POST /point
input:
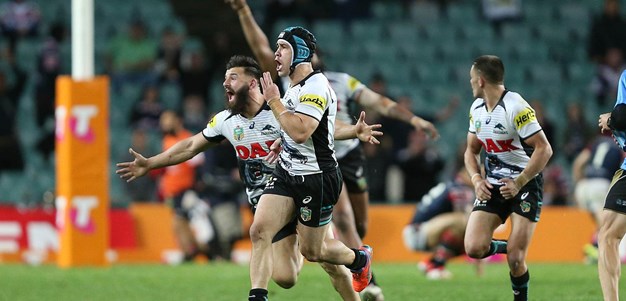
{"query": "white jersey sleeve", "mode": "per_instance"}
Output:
(311, 101)
(214, 131)
(472, 124)
(524, 119)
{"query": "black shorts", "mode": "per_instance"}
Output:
(352, 167)
(616, 198)
(314, 195)
(176, 203)
(526, 203)
(288, 229)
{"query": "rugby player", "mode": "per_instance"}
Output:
(350, 215)
(249, 125)
(516, 151)
(613, 217)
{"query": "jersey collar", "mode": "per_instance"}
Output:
(301, 83)
(500, 101)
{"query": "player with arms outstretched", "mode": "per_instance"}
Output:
(249, 125)
(350, 213)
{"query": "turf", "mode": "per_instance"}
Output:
(225, 282)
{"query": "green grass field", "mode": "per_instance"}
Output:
(225, 282)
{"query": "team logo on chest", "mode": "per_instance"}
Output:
(500, 129)
(238, 133)
(269, 129)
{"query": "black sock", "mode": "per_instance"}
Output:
(520, 286)
(442, 253)
(257, 294)
(360, 260)
(497, 247)
(373, 281)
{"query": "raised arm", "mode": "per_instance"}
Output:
(179, 152)
(298, 126)
(361, 130)
(389, 108)
(256, 38)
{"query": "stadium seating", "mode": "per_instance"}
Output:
(423, 51)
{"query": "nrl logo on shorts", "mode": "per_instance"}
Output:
(525, 206)
(305, 214)
(238, 133)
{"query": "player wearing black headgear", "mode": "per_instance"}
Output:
(303, 44)
(350, 215)
(306, 181)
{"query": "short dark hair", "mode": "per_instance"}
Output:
(490, 67)
(249, 65)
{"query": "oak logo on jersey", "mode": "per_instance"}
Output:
(498, 146)
(313, 100)
(238, 133)
(524, 117)
(255, 150)
(500, 129)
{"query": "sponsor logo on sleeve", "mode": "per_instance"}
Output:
(314, 100)
(526, 116)
(353, 83)
(212, 122)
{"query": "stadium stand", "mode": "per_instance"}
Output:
(423, 52)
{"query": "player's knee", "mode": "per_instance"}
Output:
(258, 233)
(285, 280)
(608, 237)
(515, 259)
(311, 254)
(476, 250)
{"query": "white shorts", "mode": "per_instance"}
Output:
(590, 193)
(416, 236)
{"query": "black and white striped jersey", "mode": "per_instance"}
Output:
(313, 97)
(251, 139)
(346, 88)
(502, 133)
